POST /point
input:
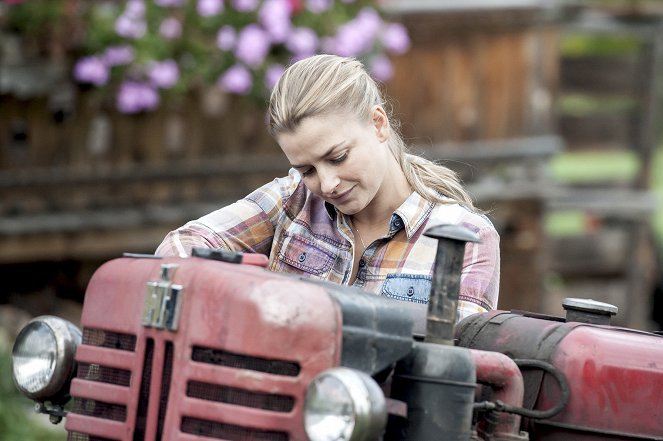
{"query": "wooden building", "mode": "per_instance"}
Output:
(81, 183)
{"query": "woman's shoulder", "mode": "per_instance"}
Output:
(459, 214)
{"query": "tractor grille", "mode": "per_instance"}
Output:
(100, 373)
(239, 397)
(108, 339)
(97, 372)
(238, 361)
(214, 429)
(104, 374)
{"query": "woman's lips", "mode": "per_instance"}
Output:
(341, 197)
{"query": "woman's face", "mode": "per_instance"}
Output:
(341, 158)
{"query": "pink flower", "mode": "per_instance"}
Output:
(237, 80)
(302, 41)
(91, 70)
(209, 8)
(396, 39)
(128, 27)
(245, 5)
(381, 68)
(134, 97)
(318, 6)
(163, 74)
(253, 44)
(118, 55)
(272, 75)
(274, 16)
(169, 3)
(170, 28)
(226, 38)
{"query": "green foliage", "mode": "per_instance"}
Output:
(18, 422)
(579, 45)
(595, 167)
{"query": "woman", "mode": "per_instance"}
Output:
(355, 204)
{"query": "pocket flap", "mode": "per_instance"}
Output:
(305, 256)
(407, 287)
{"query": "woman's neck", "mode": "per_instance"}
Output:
(389, 197)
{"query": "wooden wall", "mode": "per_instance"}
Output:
(80, 181)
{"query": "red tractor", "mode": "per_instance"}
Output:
(214, 346)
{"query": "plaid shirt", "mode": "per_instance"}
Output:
(303, 235)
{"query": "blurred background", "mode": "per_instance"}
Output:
(121, 120)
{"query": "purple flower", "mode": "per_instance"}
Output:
(209, 8)
(274, 16)
(133, 97)
(91, 69)
(381, 68)
(135, 9)
(369, 21)
(302, 41)
(226, 38)
(170, 28)
(128, 27)
(237, 80)
(245, 5)
(350, 40)
(118, 55)
(163, 74)
(272, 75)
(169, 3)
(396, 39)
(253, 44)
(317, 6)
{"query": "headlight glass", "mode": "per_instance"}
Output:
(34, 357)
(43, 357)
(329, 410)
(344, 404)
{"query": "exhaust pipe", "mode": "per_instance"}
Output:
(443, 301)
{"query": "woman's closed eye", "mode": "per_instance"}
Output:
(339, 159)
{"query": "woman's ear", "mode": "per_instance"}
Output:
(381, 123)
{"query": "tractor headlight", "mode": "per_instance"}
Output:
(43, 357)
(344, 404)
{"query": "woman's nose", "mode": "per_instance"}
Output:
(328, 181)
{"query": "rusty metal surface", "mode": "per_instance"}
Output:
(615, 374)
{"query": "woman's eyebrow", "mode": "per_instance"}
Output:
(326, 154)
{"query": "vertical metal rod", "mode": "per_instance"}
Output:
(443, 300)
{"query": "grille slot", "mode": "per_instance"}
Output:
(104, 374)
(77, 436)
(230, 432)
(240, 397)
(239, 361)
(165, 386)
(143, 399)
(99, 409)
(109, 339)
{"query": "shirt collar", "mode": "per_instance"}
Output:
(411, 214)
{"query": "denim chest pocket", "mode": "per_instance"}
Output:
(407, 287)
(300, 255)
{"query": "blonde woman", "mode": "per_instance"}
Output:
(354, 206)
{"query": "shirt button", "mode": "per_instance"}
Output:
(302, 257)
(398, 223)
(410, 291)
(362, 263)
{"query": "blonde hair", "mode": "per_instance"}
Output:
(329, 84)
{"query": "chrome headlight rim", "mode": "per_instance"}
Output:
(67, 338)
(368, 403)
